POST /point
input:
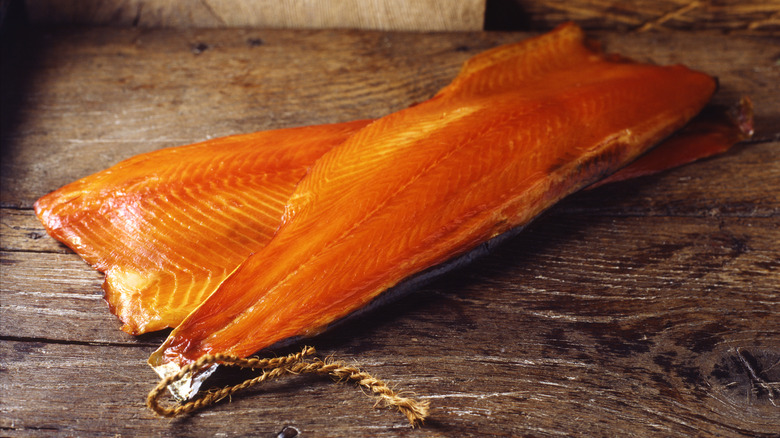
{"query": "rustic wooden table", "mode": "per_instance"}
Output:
(646, 308)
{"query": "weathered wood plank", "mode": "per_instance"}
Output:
(742, 183)
(646, 308)
(646, 332)
(108, 385)
(717, 252)
(658, 391)
(55, 297)
(20, 230)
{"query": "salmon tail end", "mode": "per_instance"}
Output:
(713, 131)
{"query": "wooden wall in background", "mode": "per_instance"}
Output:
(755, 16)
(399, 15)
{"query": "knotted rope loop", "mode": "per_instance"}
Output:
(276, 367)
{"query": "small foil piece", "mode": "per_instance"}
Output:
(186, 387)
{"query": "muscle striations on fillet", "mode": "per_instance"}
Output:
(168, 226)
(128, 283)
(521, 127)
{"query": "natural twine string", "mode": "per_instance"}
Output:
(277, 367)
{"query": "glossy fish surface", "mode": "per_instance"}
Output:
(168, 226)
(521, 127)
(150, 305)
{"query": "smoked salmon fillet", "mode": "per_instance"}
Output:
(168, 226)
(521, 127)
(150, 280)
(161, 261)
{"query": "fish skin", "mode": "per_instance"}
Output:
(425, 184)
(168, 226)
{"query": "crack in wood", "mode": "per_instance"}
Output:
(759, 384)
(773, 20)
(38, 340)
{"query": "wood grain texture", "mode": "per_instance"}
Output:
(640, 309)
(148, 89)
(418, 15)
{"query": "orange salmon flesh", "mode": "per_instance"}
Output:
(521, 127)
(246, 241)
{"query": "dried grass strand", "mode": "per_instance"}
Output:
(679, 12)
